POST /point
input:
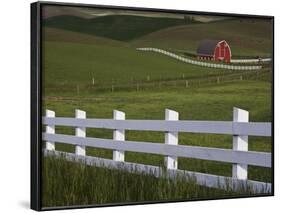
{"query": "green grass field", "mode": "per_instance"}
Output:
(71, 59)
(109, 64)
(190, 103)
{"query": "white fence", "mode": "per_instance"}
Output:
(200, 63)
(254, 60)
(240, 128)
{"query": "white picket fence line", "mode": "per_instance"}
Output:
(253, 60)
(201, 63)
(239, 156)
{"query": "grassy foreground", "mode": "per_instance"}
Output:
(212, 102)
(66, 183)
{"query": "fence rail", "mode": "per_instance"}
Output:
(253, 60)
(214, 127)
(200, 63)
(204, 153)
(239, 156)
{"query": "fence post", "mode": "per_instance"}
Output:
(80, 132)
(50, 129)
(77, 89)
(171, 138)
(186, 83)
(119, 135)
(240, 143)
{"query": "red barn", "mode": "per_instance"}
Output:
(217, 50)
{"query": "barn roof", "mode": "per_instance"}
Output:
(207, 47)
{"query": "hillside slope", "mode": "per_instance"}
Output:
(246, 37)
(58, 35)
(117, 27)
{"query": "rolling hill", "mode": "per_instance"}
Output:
(58, 35)
(71, 58)
(245, 36)
(117, 27)
(51, 11)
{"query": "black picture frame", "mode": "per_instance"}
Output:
(36, 95)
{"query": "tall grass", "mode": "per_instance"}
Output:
(67, 183)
